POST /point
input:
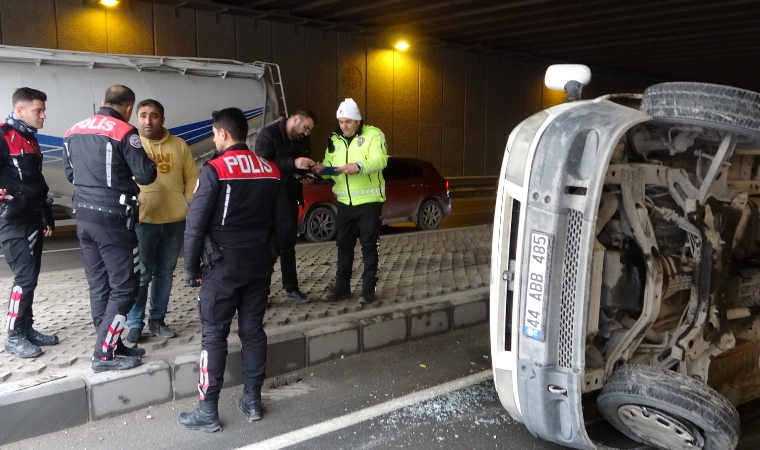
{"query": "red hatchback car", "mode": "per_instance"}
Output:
(415, 192)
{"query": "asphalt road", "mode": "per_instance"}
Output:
(352, 403)
(435, 393)
(61, 251)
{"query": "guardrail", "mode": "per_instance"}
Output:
(477, 186)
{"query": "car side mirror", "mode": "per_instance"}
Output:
(569, 78)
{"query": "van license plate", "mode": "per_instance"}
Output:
(537, 284)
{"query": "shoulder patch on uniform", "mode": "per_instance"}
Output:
(135, 141)
(360, 141)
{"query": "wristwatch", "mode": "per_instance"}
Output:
(360, 166)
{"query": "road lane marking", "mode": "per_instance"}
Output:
(352, 418)
(54, 251)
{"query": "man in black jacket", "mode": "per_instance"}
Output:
(239, 205)
(104, 158)
(287, 144)
(26, 216)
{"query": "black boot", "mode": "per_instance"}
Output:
(337, 293)
(123, 350)
(37, 338)
(19, 345)
(198, 420)
(367, 297)
(368, 290)
(117, 363)
(251, 408)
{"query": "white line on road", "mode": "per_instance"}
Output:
(328, 426)
(54, 251)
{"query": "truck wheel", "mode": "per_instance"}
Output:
(667, 410)
(320, 224)
(712, 105)
(430, 215)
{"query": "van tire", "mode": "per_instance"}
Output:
(670, 401)
(715, 106)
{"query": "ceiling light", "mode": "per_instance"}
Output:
(402, 45)
(109, 3)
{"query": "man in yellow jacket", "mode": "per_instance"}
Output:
(163, 208)
(357, 154)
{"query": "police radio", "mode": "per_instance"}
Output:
(130, 211)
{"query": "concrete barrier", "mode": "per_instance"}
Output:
(42, 409)
(114, 393)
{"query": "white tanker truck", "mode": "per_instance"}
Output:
(189, 88)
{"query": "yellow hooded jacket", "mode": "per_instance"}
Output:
(167, 199)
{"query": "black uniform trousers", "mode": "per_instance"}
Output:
(22, 246)
(364, 222)
(239, 282)
(288, 253)
(112, 266)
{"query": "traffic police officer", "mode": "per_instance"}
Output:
(104, 158)
(237, 223)
(359, 154)
(26, 216)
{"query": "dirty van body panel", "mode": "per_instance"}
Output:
(565, 185)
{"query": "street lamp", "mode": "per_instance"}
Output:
(402, 46)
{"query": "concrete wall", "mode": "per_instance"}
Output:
(452, 107)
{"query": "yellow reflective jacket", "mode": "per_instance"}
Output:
(369, 148)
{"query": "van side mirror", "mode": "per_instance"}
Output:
(569, 78)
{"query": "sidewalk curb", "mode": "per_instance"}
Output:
(76, 400)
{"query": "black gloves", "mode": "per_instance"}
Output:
(192, 280)
(47, 214)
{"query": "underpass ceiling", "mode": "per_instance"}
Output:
(687, 40)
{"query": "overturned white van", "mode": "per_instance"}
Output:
(625, 273)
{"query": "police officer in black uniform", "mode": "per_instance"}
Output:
(26, 216)
(101, 156)
(237, 223)
(287, 144)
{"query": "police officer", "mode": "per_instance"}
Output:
(287, 144)
(358, 153)
(26, 216)
(104, 157)
(238, 208)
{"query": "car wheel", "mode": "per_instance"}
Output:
(320, 224)
(716, 106)
(430, 216)
(668, 410)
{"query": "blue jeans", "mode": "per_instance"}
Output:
(159, 248)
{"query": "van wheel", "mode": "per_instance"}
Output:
(712, 105)
(320, 225)
(430, 215)
(667, 410)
